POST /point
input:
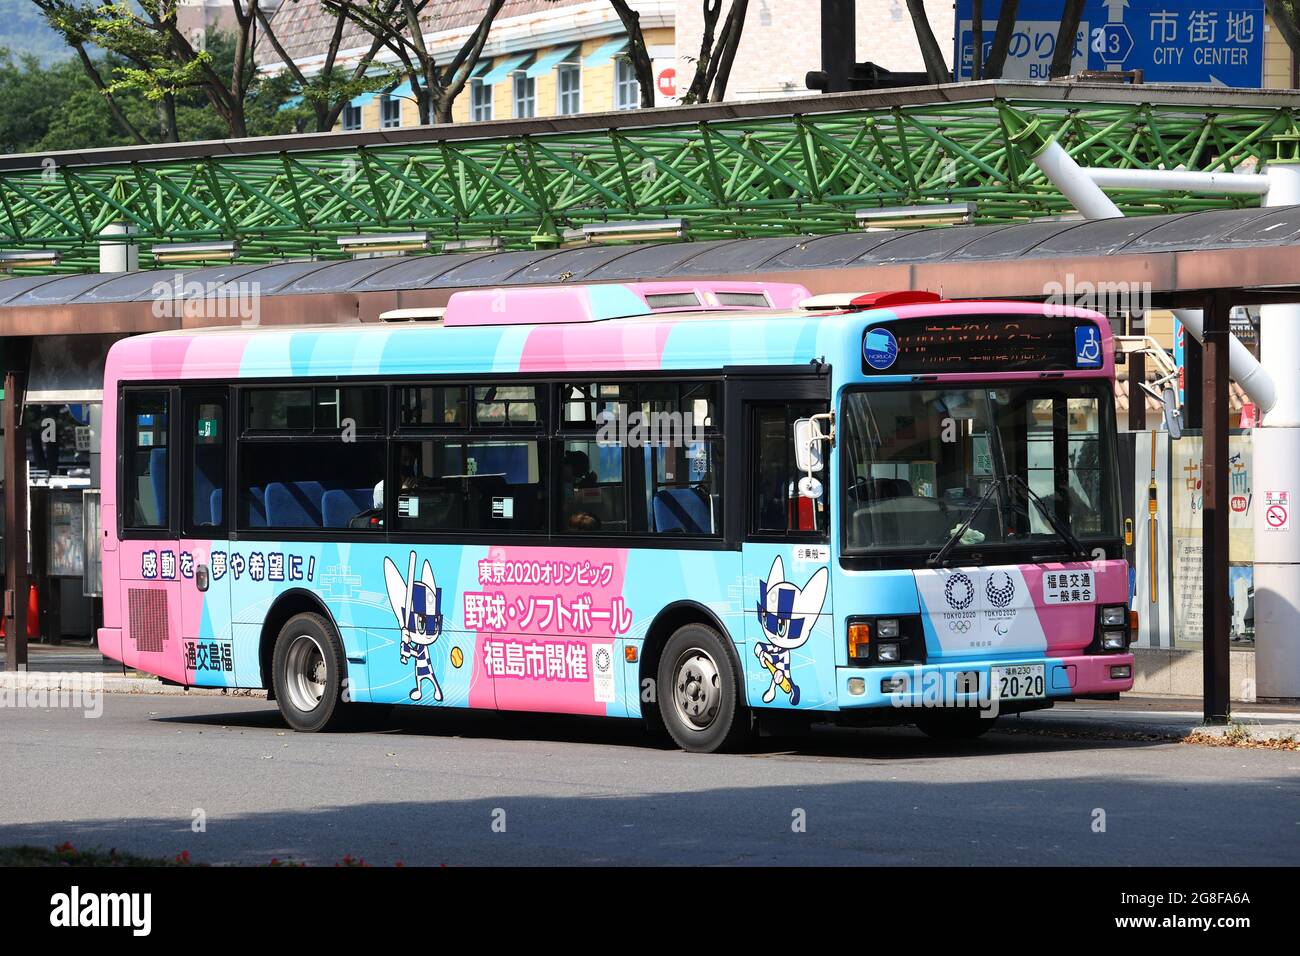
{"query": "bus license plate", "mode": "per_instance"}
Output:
(1020, 682)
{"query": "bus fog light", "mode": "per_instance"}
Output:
(1114, 616)
(893, 685)
(887, 653)
(1121, 671)
(857, 686)
(887, 627)
(1114, 640)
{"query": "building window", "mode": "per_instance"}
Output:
(390, 111)
(525, 96)
(569, 85)
(351, 117)
(627, 91)
(480, 100)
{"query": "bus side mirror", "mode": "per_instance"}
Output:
(807, 446)
(1173, 415)
(808, 440)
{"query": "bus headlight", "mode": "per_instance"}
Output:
(1115, 615)
(887, 653)
(887, 629)
(1114, 640)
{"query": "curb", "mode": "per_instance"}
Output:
(92, 681)
(1236, 734)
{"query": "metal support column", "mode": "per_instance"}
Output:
(15, 478)
(1214, 531)
(839, 43)
(1137, 374)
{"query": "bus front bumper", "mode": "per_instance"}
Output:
(969, 683)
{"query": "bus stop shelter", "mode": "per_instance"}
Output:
(1212, 260)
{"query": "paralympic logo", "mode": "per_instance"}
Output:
(1000, 591)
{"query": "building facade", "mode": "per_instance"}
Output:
(570, 56)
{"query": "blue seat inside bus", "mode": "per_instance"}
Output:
(158, 479)
(682, 509)
(294, 504)
(209, 463)
(340, 505)
(310, 504)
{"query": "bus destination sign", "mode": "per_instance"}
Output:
(938, 345)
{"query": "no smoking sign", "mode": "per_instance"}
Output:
(1277, 510)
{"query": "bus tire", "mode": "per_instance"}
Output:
(966, 725)
(699, 693)
(308, 670)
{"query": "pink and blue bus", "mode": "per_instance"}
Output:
(705, 505)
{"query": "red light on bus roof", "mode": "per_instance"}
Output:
(883, 300)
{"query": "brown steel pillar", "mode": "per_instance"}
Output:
(15, 477)
(1214, 532)
(1137, 374)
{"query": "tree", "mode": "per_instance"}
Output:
(152, 56)
(1063, 54)
(1286, 14)
(398, 26)
(77, 27)
(637, 52)
(936, 68)
(1006, 28)
(327, 91)
(713, 65)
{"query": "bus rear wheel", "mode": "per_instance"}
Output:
(699, 693)
(963, 725)
(308, 670)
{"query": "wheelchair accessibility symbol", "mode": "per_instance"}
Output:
(1087, 346)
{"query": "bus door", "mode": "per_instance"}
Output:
(202, 551)
(147, 553)
(789, 652)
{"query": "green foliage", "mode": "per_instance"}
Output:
(23, 28)
(53, 106)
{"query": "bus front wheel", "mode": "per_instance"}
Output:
(699, 694)
(308, 670)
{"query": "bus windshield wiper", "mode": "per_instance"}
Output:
(941, 556)
(1052, 518)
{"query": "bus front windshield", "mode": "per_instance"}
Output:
(919, 461)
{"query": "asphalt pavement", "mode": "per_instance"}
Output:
(224, 779)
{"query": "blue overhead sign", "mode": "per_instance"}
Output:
(1171, 41)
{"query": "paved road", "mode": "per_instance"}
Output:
(428, 789)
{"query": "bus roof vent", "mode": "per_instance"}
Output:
(745, 300)
(672, 300)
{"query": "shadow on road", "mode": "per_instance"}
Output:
(879, 743)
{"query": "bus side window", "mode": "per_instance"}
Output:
(777, 507)
(206, 459)
(145, 453)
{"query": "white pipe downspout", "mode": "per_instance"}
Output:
(1180, 180)
(1087, 197)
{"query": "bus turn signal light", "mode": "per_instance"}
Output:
(859, 639)
(629, 654)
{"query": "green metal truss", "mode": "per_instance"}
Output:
(728, 177)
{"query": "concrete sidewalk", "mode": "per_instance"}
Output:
(1160, 718)
(79, 657)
